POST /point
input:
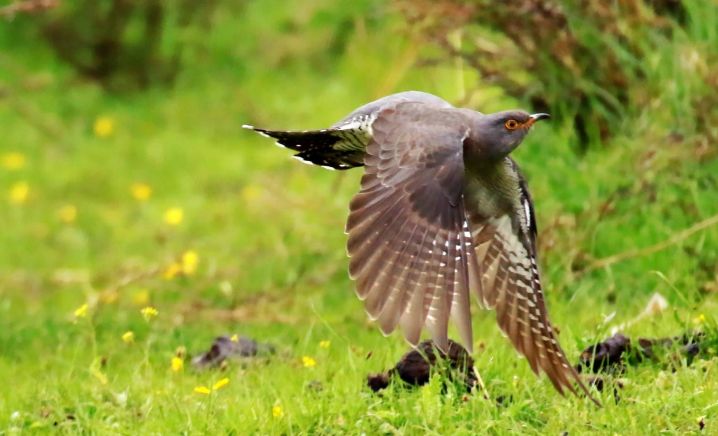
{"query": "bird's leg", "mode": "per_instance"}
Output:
(480, 381)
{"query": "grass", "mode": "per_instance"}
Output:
(268, 235)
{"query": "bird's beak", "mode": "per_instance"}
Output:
(536, 117)
(540, 116)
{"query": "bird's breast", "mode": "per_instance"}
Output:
(492, 190)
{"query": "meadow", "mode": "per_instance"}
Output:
(137, 226)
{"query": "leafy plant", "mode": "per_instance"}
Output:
(578, 60)
(124, 44)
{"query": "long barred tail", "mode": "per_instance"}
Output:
(330, 148)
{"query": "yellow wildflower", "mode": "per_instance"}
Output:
(700, 319)
(325, 344)
(220, 384)
(81, 312)
(67, 214)
(13, 160)
(177, 364)
(234, 338)
(251, 192)
(173, 216)
(204, 390)
(190, 259)
(128, 337)
(149, 312)
(19, 192)
(309, 362)
(277, 411)
(172, 271)
(141, 191)
(141, 297)
(104, 127)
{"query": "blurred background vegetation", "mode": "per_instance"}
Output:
(122, 151)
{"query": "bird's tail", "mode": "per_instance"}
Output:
(330, 148)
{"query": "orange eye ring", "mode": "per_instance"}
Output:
(511, 125)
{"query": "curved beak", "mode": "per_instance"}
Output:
(536, 117)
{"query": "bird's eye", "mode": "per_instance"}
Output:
(511, 124)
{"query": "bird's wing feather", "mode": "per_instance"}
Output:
(408, 251)
(505, 275)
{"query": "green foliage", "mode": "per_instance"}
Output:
(268, 234)
(594, 63)
(122, 44)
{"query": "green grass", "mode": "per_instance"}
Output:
(268, 233)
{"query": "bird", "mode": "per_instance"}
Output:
(443, 212)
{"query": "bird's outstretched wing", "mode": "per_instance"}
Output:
(505, 274)
(407, 244)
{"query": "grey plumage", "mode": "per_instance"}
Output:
(442, 212)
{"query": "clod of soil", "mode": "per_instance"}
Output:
(604, 355)
(415, 367)
(616, 352)
(224, 348)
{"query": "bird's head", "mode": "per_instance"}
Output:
(496, 135)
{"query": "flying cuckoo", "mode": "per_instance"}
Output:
(442, 212)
